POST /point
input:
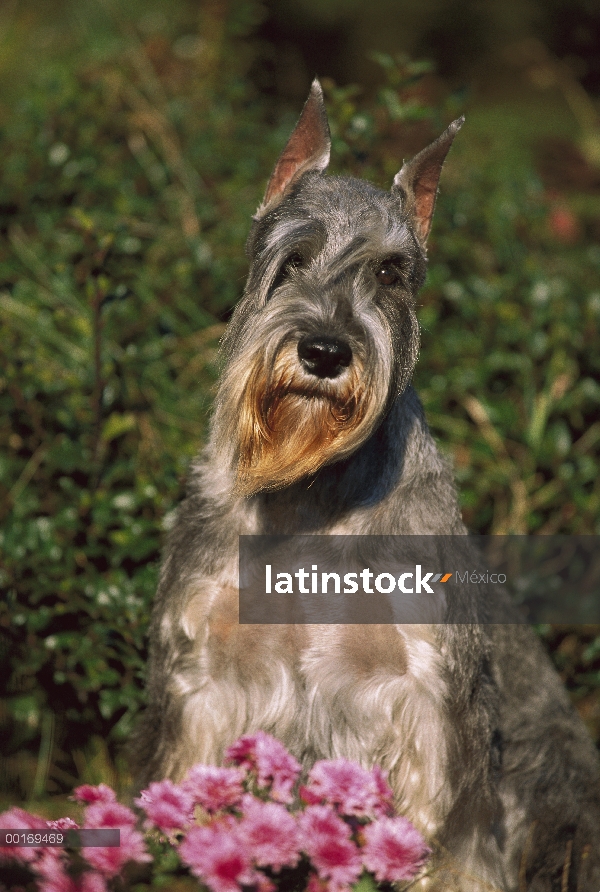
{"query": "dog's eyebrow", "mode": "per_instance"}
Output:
(398, 236)
(353, 253)
(287, 233)
(285, 237)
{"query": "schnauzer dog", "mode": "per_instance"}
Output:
(317, 430)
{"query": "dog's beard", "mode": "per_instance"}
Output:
(290, 424)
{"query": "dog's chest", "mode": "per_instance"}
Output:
(372, 693)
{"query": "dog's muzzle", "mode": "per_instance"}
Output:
(324, 357)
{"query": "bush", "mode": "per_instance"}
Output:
(126, 198)
(124, 206)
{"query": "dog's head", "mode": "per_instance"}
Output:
(326, 335)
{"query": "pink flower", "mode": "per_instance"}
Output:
(218, 856)
(108, 814)
(52, 873)
(89, 794)
(326, 840)
(17, 819)
(275, 767)
(383, 791)
(263, 884)
(168, 806)
(110, 859)
(394, 850)
(316, 884)
(214, 788)
(270, 833)
(105, 814)
(354, 790)
(63, 824)
(91, 882)
(53, 877)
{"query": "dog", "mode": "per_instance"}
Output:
(317, 430)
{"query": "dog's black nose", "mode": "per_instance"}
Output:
(324, 357)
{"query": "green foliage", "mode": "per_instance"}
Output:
(127, 191)
(124, 205)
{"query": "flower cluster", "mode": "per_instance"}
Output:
(245, 824)
(52, 867)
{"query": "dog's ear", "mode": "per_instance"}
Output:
(418, 179)
(307, 148)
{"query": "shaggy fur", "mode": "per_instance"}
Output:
(317, 429)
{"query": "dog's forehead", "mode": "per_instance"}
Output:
(343, 210)
(352, 209)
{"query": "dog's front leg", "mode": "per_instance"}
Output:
(380, 695)
(215, 679)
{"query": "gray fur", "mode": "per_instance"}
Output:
(484, 751)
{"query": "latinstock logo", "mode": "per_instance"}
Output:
(340, 578)
(385, 583)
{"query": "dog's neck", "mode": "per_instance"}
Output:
(395, 483)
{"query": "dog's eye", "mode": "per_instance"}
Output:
(387, 273)
(294, 261)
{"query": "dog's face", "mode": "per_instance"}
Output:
(326, 334)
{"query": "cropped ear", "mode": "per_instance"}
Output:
(307, 149)
(418, 179)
